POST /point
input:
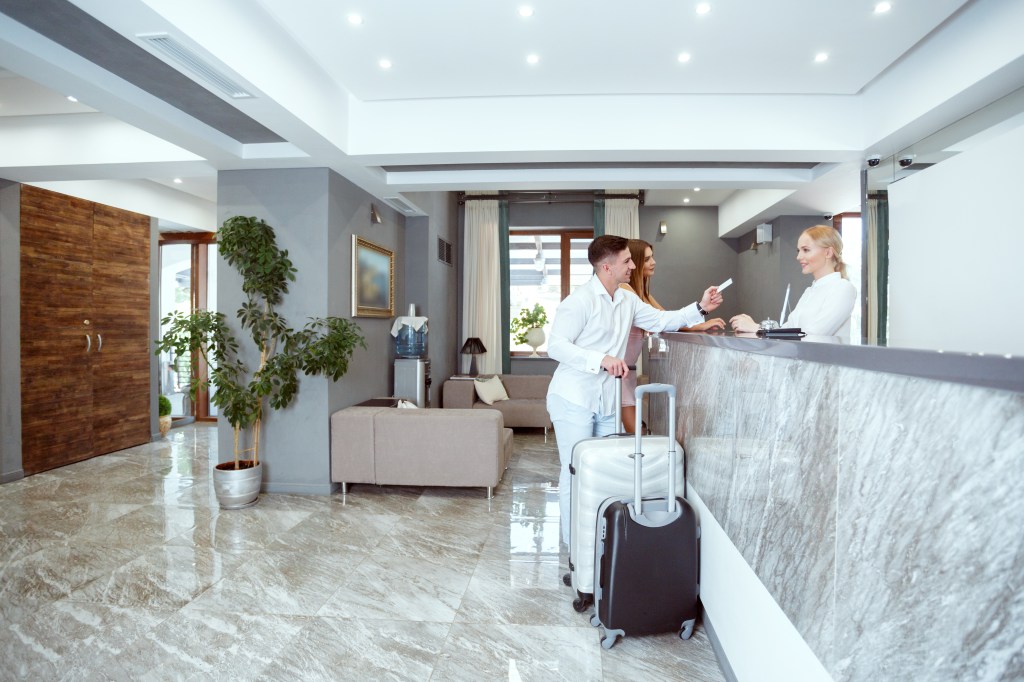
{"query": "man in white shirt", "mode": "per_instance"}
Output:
(589, 333)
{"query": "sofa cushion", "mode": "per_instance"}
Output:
(490, 390)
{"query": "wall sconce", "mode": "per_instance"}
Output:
(663, 227)
(374, 216)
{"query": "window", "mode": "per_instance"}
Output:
(849, 226)
(545, 265)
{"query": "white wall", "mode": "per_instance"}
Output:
(956, 281)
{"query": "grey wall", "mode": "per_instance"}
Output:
(691, 257)
(433, 285)
(10, 331)
(314, 212)
(551, 215)
(764, 274)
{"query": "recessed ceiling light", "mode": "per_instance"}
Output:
(821, 57)
(703, 7)
(385, 63)
(72, 98)
(883, 7)
(355, 19)
(525, 11)
(696, 189)
(686, 200)
(177, 181)
(532, 59)
(683, 57)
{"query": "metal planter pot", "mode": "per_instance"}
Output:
(236, 488)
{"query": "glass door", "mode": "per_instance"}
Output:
(176, 295)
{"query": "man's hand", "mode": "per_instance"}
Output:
(712, 299)
(617, 367)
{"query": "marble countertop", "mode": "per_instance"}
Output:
(975, 369)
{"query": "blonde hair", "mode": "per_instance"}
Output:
(637, 281)
(826, 236)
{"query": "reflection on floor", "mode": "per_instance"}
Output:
(123, 567)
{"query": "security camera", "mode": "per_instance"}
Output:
(827, 216)
(906, 160)
(874, 160)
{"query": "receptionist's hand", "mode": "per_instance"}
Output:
(743, 323)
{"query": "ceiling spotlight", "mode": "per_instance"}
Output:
(683, 57)
(72, 98)
(883, 7)
(703, 7)
(177, 181)
(532, 59)
(663, 227)
(385, 63)
(355, 19)
(525, 11)
(821, 57)
(696, 189)
(686, 200)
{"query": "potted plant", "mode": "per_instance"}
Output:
(165, 414)
(323, 347)
(526, 327)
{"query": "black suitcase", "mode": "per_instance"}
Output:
(647, 556)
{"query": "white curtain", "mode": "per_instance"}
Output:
(481, 293)
(622, 217)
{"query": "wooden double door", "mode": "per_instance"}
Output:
(85, 345)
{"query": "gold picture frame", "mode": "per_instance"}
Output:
(373, 279)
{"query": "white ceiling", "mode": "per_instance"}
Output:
(751, 118)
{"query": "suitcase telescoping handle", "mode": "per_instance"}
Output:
(637, 455)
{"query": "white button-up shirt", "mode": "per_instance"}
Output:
(825, 308)
(588, 325)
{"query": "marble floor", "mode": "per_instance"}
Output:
(123, 567)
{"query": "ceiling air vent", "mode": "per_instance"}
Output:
(170, 48)
(401, 205)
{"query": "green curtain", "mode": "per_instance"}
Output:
(598, 217)
(506, 277)
(882, 275)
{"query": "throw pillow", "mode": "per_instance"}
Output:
(490, 390)
(407, 405)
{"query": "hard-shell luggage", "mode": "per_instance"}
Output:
(648, 553)
(602, 468)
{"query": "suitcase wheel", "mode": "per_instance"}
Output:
(610, 637)
(567, 579)
(595, 620)
(687, 630)
(582, 602)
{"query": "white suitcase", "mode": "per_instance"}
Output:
(602, 468)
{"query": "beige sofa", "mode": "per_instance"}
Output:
(390, 446)
(526, 404)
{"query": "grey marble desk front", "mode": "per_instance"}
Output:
(883, 511)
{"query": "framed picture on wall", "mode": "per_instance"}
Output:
(373, 279)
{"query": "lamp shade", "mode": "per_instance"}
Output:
(473, 346)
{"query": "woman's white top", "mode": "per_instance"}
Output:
(825, 308)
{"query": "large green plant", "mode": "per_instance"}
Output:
(323, 347)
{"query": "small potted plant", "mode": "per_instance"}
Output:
(323, 347)
(165, 414)
(526, 327)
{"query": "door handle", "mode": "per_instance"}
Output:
(100, 347)
(88, 343)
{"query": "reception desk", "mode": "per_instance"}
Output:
(862, 508)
